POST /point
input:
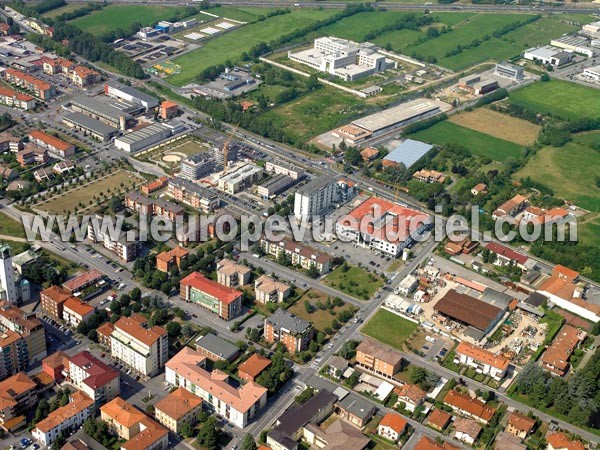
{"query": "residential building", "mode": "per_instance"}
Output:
(166, 260)
(560, 441)
(239, 177)
(221, 300)
(11, 143)
(32, 154)
(83, 76)
(54, 66)
(13, 354)
(52, 300)
(216, 349)
(250, 369)
(391, 426)
(232, 274)
(132, 425)
(297, 253)
(15, 99)
(355, 409)
(56, 366)
(391, 227)
(556, 357)
(505, 441)
(429, 176)
(519, 425)
(39, 88)
(465, 246)
(62, 167)
(466, 430)
(26, 325)
(469, 407)
(369, 154)
(377, 358)
(93, 377)
(511, 207)
(76, 311)
(153, 207)
(315, 198)
(126, 246)
(84, 281)
(266, 289)
(238, 405)
(193, 195)
(104, 331)
(130, 94)
(76, 444)
(506, 256)
(338, 367)
(143, 349)
(508, 70)
(439, 419)
(293, 332)
(154, 186)
(483, 361)
(338, 435)
(479, 188)
(178, 408)
(17, 398)
(168, 109)
(426, 443)
(411, 395)
(64, 420)
(282, 168)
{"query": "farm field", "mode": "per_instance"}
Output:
(498, 125)
(316, 112)
(539, 32)
(354, 281)
(320, 318)
(495, 49)
(477, 143)
(120, 16)
(561, 98)
(389, 328)
(570, 171)
(68, 200)
(231, 45)
(69, 7)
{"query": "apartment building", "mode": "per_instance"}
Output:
(236, 404)
(84, 281)
(267, 289)
(281, 168)
(93, 377)
(126, 246)
(82, 76)
(52, 300)
(556, 357)
(166, 260)
(375, 357)
(14, 357)
(315, 198)
(178, 408)
(76, 311)
(32, 154)
(15, 99)
(54, 66)
(193, 195)
(292, 331)
(26, 325)
(483, 361)
(153, 207)
(143, 349)
(239, 177)
(429, 176)
(56, 366)
(221, 300)
(232, 274)
(511, 207)
(53, 144)
(17, 398)
(39, 88)
(64, 420)
(197, 166)
(154, 186)
(297, 253)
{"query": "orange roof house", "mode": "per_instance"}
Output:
(246, 105)
(439, 419)
(155, 185)
(519, 425)
(391, 426)
(468, 406)
(426, 443)
(565, 273)
(177, 408)
(560, 441)
(55, 364)
(369, 154)
(556, 357)
(471, 355)
(166, 260)
(250, 369)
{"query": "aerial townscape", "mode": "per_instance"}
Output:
(299, 225)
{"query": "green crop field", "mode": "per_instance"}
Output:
(561, 98)
(493, 49)
(230, 46)
(570, 171)
(477, 143)
(121, 16)
(389, 328)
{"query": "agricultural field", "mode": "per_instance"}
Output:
(121, 16)
(317, 112)
(69, 7)
(477, 143)
(354, 281)
(230, 46)
(560, 98)
(539, 32)
(570, 171)
(389, 328)
(498, 125)
(68, 200)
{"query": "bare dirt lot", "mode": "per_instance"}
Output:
(498, 125)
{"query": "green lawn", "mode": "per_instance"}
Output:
(539, 32)
(354, 281)
(230, 46)
(357, 26)
(247, 14)
(11, 227)
(320, 318)
(121, 16)
(495, 49)
(570, 171)
(477, 143)
(69, 7)
(562, 98)
(389, 328)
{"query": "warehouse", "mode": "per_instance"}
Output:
(127, 93)
(101, 111)
(399, 116)
(407, 153)
(275, 186)
(142, 138)
(592, 73)
(478, 85)
(478, 316)
(573, 44)
(93, 127)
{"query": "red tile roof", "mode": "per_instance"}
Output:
(198, 281)
(254, 365)
(464, 402)
(50, 140)
(393, 421)
(481, 355)
(439, 418)
(560, 441)
(507, 252)
(99, 373)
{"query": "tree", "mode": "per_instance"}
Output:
(305, 395)
(208, 435)
(174, 329)
(248, 443)
(545, 77)
(187, 431)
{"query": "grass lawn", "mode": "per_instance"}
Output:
(570, 171)
(539, 32)
(230, 46)
(121, 16)
(243, 14)
(495, 49)
(11, 227)
(357, 26)
(69, 7)
(558, 97)
(320, 318)
(68, 200)
(355, 281)
(477, 143)
(389, 328)
(317, 112)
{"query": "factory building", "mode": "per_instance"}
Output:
(129, 94)
(508, 70)
(143, 138)
(275, 186)
(87, 125)
(101, 111)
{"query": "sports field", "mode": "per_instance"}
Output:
(477, 143)
(498, 125)
(562, 98)
(121, 16)
(230, 46)
(389, 328)
(570, 171)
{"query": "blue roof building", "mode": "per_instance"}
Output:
(407, 153)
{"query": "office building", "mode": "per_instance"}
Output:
(281, 168)
(292, 331)
(221, 300)
(508, 70)
(197, 166)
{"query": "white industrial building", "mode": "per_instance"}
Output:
(127, 93)
(343, 58)
(573, 44)
(142, 138)
(548, 55)
(593, 28)
(508, 70)
(593, 73)
(239, 178)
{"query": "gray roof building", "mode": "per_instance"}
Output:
(215, 348)
(90, 125)
(131, 94)
(288, 321)
(358, 407)
(98, 108)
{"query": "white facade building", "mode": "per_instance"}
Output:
(7, 276)
(481, 360)
(314, 198)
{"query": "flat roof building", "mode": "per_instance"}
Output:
(216, 349)
(143, 138)
(275, 186)
(94, 127)
(118, 90)
(407, 153)
(548, 55)
(508, 70)
(99, 110)
(315, 197)
(574, 44)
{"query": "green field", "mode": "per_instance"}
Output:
(561, 98)
(389, 328)
(247, 14)
(539, 32)
(357, 26)
(11, 227)
(354, 281)
(121, 16)
(570, 171)
(69, 7)
(477, 143)
(230, 46)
